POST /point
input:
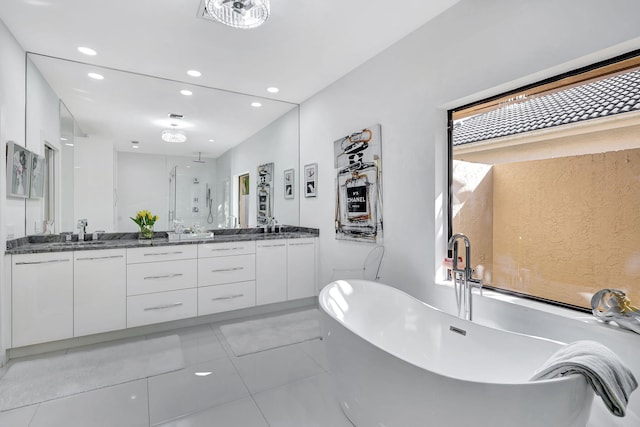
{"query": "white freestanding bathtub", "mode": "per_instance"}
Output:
(398, 362)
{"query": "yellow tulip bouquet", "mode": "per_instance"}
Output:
(145, 221)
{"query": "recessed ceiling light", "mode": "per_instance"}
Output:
(256, 104)
(186, 92)
(212, 140)
(135, 144)
(194, 73)
(273, 89)
(96, 76)
(62, 138)
(87, 51)
(69, 144)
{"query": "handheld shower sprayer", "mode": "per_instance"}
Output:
(209, 203)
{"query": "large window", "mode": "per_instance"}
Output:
(545, 181)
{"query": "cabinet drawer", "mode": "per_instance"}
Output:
(208, 250)
(305, 241)
(161, 276)
(227, 269)
(219, 298)
(161, 307)
(161, 253)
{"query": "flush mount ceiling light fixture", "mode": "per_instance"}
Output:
(174, 135)
(237, 13)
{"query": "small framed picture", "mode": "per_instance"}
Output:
(38, 171)
(311, 180)
(289, 184)
(18, 170)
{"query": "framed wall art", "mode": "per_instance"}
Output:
(265, 193)
(358, 169)
(311, 180)
(18, 170)
(289, 184)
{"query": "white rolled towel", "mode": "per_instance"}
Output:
(605, 372)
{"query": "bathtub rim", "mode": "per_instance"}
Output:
(321, 302)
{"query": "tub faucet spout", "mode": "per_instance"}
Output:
(463, 281)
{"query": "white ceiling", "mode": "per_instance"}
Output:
(303, 47)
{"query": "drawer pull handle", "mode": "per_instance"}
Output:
(220, 270)
(160, 307)
(227, 249)
(166, 276)
(51, 261)
(300, 244)
(228, 297)
(271, 246)
(164, 253)
(99, 257)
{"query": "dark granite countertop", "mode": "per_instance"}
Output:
(57, 243)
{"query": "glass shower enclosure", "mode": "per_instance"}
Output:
(192, 196)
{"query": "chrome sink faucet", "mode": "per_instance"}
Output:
(82, 228)
(463, 281)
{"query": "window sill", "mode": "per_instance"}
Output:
(531, 304)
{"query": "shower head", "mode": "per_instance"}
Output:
(199, 158)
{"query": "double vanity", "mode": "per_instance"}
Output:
(60, 290)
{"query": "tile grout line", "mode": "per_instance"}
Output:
(34, 415)
(264, 417)
(228, 357)
(148, 402)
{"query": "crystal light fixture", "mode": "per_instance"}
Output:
(238, 13)
(174, 135)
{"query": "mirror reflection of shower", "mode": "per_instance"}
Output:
(192, 196)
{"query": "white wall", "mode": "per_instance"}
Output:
(271, 144)
(43, 127)
(139, 181)
(473, 50)
(12, 125)
(12, 99)
(93, 183)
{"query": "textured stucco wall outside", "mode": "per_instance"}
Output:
(472, 206)
(566, 227)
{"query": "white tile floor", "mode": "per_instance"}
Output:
(287, 386)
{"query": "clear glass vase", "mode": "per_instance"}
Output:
(146, 232)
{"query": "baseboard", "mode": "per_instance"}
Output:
(53, 346)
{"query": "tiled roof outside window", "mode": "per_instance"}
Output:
(613, 95)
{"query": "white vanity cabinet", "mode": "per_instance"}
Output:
(99, 291)
(42, 298)
(271, 271)
(60, 295)
(226, 276)
(301, 268)
(161, 284)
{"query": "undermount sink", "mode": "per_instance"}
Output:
(80, 243)
(177, 237)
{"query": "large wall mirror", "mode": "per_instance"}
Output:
(112, 160)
